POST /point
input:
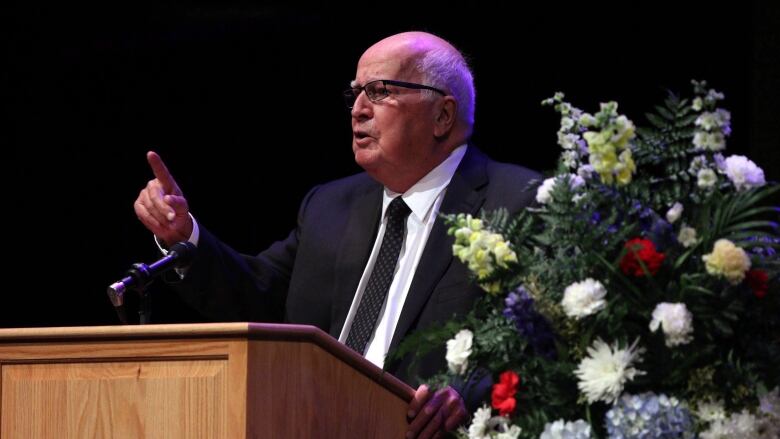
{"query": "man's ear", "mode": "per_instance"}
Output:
(445, 114)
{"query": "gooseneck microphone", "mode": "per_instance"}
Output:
(140, 275)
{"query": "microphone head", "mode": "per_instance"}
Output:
(183, 252)
(116, 293)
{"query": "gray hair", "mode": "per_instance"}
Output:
(448, 70)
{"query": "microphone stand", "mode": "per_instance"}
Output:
(142, 275)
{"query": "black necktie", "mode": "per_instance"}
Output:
(381, 277)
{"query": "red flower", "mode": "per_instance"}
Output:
(504, 393)
(758, 281)
(644, 250)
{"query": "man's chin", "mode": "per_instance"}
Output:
(366, 159)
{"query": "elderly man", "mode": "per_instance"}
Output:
(370, 260)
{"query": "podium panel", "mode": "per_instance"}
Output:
(230, 380)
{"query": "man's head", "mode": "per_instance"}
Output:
(401, 131)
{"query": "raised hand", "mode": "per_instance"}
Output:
(161, 206)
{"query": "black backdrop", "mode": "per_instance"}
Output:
(243, 102)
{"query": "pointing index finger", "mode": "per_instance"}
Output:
(161, 172)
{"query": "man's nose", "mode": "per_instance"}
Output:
(363, 107)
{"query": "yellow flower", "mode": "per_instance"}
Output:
(727, 260)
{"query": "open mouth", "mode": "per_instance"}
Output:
(360, 135)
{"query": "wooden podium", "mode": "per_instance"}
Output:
(226, 380)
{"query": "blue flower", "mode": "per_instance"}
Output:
(530, 324)
(649, 416)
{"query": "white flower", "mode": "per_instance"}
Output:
(674, 213)
(513, 432)
(543, 193)
(687, 236)
(709, 141)
(567, 141)
(582, 299)
(567, 123)
(743, 173)
(570, 159)
(478, 428)
(566, 430)
(738, 425)
(483, 426)
(587, 120)
(711, 411)
(458, 351)
(697, 104)
(606, 370)
(676, 322)
(706, 178)
(727, 260)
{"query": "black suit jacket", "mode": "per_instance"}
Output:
(311, 277)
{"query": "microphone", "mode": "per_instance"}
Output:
(140, 275)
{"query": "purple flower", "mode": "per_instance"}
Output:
(530, 324)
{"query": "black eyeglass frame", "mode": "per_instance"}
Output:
(351, 94)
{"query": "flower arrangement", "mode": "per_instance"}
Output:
(638, 298)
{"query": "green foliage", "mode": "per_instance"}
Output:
(580, 232)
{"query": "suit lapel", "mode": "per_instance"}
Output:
(353, 253)
(465, 193)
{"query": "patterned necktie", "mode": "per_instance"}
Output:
(381, 277)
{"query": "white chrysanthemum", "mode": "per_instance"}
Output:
(582, 299)
(458, 351)
(743, 173)
(676, 322)
(706, 178)
(674, 213)
(711, 411)
(607, 369)
(561, 429)
(687, 236)
(479, 428)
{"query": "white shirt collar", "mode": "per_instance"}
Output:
(421, 196)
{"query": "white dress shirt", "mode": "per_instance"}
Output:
(424, 199)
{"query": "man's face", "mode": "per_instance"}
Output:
(392, 139)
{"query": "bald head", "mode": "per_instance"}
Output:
(407, 125)
(438, 63)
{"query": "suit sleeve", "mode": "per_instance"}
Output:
(225, 285)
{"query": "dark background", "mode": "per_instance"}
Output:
(243, 101)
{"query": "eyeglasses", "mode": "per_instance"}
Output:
(377, 90)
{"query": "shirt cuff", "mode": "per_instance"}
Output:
(194, 238)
